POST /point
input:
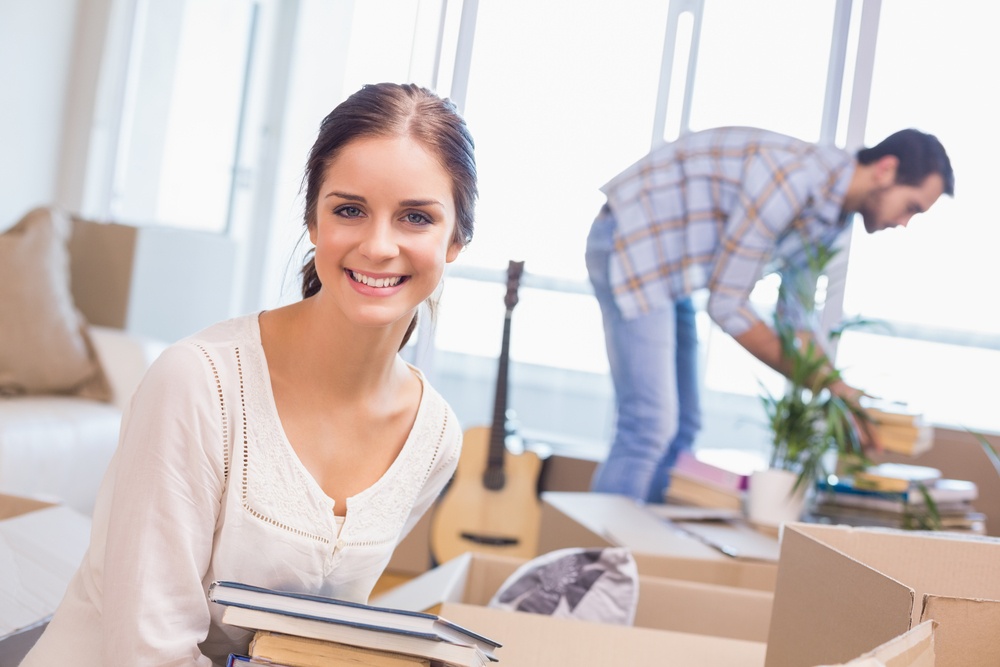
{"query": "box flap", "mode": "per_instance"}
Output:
(601, 519)
(744, 574)
(914, 648)
(704, 609)
(11, 506)
(39, 553)
(736, 540)
(968, 632)
(830, 608)
(444, 583)
(531, 640)
(937, 563)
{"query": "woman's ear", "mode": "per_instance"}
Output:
(453, 251)
(312, 232)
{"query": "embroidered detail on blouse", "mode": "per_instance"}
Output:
(222, 410)
(275, 487)
(267, 460)
(380, 511)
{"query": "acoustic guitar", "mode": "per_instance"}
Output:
(491, 504)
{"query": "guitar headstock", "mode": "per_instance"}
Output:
(514, 271)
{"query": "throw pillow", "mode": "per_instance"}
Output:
(44, 345)
(590, 584)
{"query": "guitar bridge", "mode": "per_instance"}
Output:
(491, 540)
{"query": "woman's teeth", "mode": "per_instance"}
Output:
(375, 282)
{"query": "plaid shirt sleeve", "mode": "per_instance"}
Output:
(773, 193)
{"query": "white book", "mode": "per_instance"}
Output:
(348, 622)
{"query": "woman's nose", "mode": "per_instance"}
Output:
(379, 242)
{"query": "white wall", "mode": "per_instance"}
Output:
(36, 48)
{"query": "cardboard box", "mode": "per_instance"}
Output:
(708, 552)
(842, 591)
(531, 640)
(41, 546)
(664, 604)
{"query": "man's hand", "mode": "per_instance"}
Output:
(863, 426)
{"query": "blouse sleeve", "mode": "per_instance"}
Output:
(169, 475)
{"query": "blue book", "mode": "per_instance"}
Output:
(237, 660)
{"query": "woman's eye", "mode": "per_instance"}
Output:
(417, 219)
(348, 211)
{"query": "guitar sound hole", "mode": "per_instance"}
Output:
(494, 479)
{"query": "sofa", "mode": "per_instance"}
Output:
(68, 366)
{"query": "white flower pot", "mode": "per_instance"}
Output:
(769, 499)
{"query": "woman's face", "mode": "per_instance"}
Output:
(384, 229)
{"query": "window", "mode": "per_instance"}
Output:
(184, 98)
(933, 282)
(561, 97)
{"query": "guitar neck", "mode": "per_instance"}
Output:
(498, 431)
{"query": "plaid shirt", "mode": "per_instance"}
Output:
(719, 209)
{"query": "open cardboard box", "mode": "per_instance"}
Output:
(842, 591)
(677, 623)
(673, 550)
(41, 545)
(531, 640)
(664, 604)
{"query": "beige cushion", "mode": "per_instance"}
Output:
(44, 345)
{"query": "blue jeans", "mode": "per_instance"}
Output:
(654, 369)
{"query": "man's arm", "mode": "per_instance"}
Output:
(764, 343)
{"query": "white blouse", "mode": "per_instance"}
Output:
(204, 468)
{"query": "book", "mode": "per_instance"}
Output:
(946, 493)
(322, 608)
(909, 440)
(237, 660)
(296, 651)
(964, 520)
(899, 428)
(688, 490)
(726, 468)
(408, 642)
(894, 476)
(941, 491)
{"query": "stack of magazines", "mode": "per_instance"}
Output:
(298, 630)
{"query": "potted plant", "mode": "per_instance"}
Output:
(811, 427)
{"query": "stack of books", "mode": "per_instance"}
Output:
(712, 478)
(900, 429)
(298, 630)
(896, 496)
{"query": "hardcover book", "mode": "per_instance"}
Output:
(293, 651)
(895, 476)
(353, 623)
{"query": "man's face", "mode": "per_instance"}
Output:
(894, 205)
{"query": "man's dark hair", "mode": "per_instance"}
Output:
(919, 154)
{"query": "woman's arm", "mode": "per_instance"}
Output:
(168, 478)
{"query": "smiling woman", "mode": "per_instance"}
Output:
(293, 448)
(385, 228)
